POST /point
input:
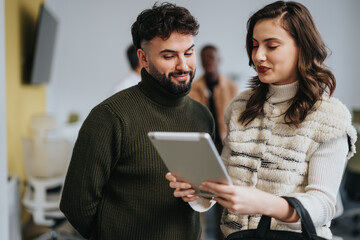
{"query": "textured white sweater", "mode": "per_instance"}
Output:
(314, 180)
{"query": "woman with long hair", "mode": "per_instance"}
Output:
(287, 135)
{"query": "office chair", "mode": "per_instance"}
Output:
(46, 162)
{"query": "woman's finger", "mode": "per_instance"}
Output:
(217, 188)
(228, 205)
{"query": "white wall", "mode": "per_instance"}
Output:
(343, 35)
(4, 220)
(93, 35)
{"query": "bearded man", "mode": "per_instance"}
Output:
(115, 186)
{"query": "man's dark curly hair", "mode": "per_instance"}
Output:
(162, 20)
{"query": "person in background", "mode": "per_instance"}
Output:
(114, 188)
(287, 135)
(134, 76)
(216, 92)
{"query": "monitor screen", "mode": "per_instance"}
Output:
(44, 47)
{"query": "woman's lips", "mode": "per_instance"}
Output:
(262, 69)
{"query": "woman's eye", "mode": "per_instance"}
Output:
(255, 46)
(272, 47)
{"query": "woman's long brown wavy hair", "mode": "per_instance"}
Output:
(314, 77)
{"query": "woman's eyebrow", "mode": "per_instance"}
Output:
(268, 39)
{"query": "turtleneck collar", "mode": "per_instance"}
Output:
(153, 90)
(282, 93)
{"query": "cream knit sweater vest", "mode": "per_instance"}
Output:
(273, 157)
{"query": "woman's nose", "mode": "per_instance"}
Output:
(259, 55)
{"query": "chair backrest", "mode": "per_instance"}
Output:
(40, 124)
(45, 157)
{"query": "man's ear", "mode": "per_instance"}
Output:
(143, 59)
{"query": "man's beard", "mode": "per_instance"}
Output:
(165, 81)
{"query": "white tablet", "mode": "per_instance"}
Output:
(190, 156)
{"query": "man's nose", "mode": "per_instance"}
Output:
(182, 64)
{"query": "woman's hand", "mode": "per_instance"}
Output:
(182, 189)
(245, 200)
(237, 199)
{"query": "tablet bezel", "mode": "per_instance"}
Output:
(187, 155)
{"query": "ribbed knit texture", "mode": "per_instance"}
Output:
(115, 187)
(274, 157)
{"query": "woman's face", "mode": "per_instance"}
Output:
(275, 53)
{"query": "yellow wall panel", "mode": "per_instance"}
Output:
(22, 100)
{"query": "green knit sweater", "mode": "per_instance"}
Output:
(115, 187)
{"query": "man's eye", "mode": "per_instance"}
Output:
(188, 54)
(168, 56)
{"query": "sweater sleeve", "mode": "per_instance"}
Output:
(202, 204)
(96, 150)
(326, 168)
